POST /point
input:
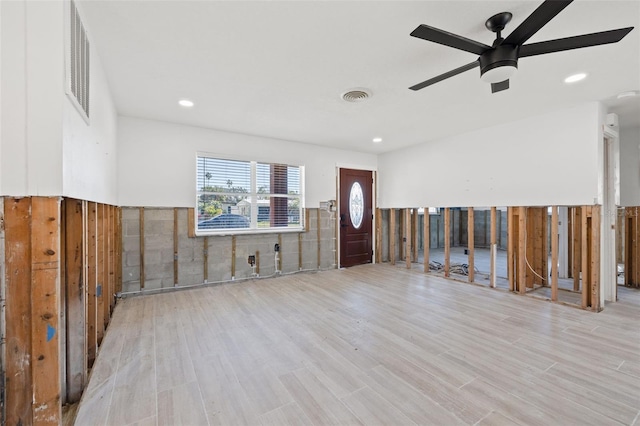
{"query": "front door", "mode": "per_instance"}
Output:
(356, 213)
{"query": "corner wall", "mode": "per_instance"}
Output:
(546, 160)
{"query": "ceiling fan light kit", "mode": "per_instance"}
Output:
(499, 62)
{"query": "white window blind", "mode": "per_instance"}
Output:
(247, 196)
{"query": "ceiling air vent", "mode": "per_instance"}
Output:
(356, 95)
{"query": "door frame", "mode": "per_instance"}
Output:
(374, 204)
(609, 194)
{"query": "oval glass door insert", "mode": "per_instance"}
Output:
(356, 205)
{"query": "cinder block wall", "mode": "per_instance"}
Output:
(298, 251)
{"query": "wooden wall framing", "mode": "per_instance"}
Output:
(632, 247)
(61, 272)
(533, 239)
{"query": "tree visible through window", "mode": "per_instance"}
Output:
(247, 195)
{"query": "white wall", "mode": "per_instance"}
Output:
(46, 148)
(545, 160)
(157, 161)
(31, 105)
(630, 166)
(89, 151)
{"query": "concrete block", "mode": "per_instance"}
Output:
(130, 273)
(159, 227)
(152, 284)
(183, 223)
(151, 214)
(130, 214)
(158, 271)
(167, 256)
(130, 286)
(152, 257)
(185, 254)
(131, 258)
(131, 244)
(131, 228)
(158, 241)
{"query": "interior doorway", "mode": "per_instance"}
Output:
(356, 214)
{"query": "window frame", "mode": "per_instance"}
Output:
(253, 196)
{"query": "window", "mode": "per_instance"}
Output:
(247, 196)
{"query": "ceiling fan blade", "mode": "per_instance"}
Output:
(538, 19)
(435, 35)
(576, 42)
(500, 86)
(446, 75)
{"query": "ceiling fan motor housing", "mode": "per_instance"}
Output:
(501, 56)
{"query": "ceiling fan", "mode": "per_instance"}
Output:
(499, 62)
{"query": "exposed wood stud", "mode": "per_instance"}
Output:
(585, 256)
(106, 298)
(300, 251)
(92, 281)
(319, 236)
(205, 252)
(76, 343)
(175, 246)
(447, 241)
(112, 258)
(570, 242)
(191, 222)
(545, 246)
(414, 236)
(554, 253)
(392, 236)
(233, 257)
(576, 253)
(258, 262)
(408, 237)
(378, 231)
(280, 255)
(119, 250)
(494, 248)
(522, 269)
(471, 243)
(17, 234)
(511, 247)
(45, 266)
(595, 259)
(426, 239)
(307, 220)
(632, 247)
(402, 234)
(141, 210)
(100, 288)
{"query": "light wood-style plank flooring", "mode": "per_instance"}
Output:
(374, 344)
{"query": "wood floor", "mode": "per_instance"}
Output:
(373, 344)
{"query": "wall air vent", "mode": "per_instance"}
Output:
(77, 61)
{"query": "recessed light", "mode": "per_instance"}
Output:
(628, 94)
(377, 140)
(575, 77)
(185, 103)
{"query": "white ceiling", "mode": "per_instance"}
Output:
(278, 68)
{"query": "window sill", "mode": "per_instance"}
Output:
(231, 232)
